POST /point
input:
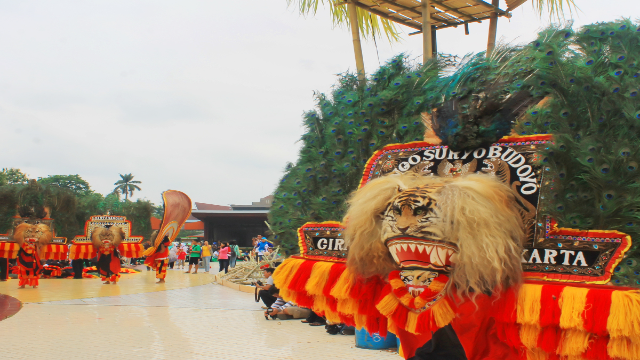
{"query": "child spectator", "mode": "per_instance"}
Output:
(182, 255)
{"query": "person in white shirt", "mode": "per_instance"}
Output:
(263, 292)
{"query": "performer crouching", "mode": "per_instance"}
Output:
(106, 242)
(31, 239)
(159, 259)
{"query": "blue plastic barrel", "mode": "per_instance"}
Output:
(374, 341)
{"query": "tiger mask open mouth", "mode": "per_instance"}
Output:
(466, 229)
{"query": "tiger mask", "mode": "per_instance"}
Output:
(32, 237)
(106, 240)
(465, 227)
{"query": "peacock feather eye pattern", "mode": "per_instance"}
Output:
(579, 84)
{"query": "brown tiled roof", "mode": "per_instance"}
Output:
(205, 206)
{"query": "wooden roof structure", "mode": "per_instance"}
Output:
(443, 13)
(428, 16)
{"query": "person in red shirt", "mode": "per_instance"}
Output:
(182, 256)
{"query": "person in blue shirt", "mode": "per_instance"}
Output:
(262, 248)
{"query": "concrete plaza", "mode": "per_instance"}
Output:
(189, 317)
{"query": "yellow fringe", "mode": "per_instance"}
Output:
(360, 320)
(442, 313)
(320, 304)
(342, 288)
(537, 354)
(624, 318)
(396, 283)
(388, 305)
(406, 298)
(412, 322)
(348, 306)
(318, 277)
(284, 273)
(287, 294)
(437, 286)
(572, 303)
(529, 335)
(623, 348)
(573, 342)
(529, 304)
(149, 251)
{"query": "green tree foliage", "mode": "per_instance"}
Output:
(75, 183)
(13, 176)
(341, 134)
(71, 203)
(352, 123)
(126, 185)
(8, 207)
(158, 211)
(582, 86)
(139, 212)
(370, 25)
(592, 80)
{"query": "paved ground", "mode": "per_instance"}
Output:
(188, 318)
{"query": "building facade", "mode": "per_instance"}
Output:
(236, 222)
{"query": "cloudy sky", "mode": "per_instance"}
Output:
(200, 96)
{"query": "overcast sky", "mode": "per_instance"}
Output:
(204, 97)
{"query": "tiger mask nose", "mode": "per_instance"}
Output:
(403, 229)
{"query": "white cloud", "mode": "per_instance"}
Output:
(199, 96)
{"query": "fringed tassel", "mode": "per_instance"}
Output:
(387, 302)
(426, 323)
(536, 354)
(624, 325)
(624, 317)
(548, 339)
(623, 348)
(399, 317)
(572, 304)
(443, 312)
(529, 304)
(318, 277)
(597, 310)
(529, 335)
(284, 273)
(597, 348)
(305, 300)
(342, 288)
(573, 342)
(334, 275)
(302, 275)
(549, 301)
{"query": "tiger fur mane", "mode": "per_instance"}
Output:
(475, 211)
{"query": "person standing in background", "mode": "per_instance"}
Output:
(234, 253)
(194, 256)
(263, 248)
(4, 269)
(173, 255)
(182, 256)
(206, 256)
(223, 257)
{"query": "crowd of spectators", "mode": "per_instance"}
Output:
(193, 255)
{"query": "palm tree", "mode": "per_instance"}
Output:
(554, 7)
(372, 25)
(126, 185)
(369, 25)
